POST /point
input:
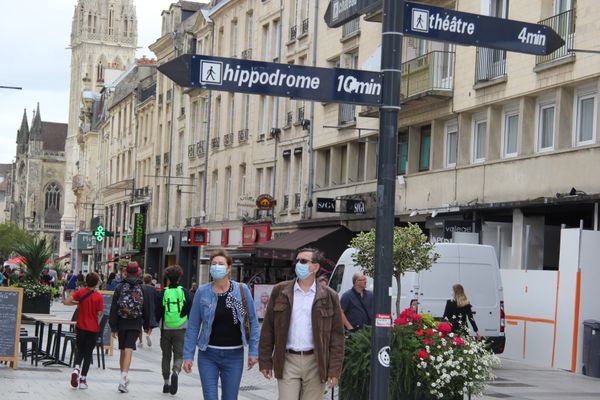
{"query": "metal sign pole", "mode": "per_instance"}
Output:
(391, 62)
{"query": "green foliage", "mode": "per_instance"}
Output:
(357, 361)
(32, 289)
(10, 236)
(36, 251)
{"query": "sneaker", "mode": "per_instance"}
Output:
(166, 388)
(123, 387)
(174, 379)
(75, 378)
(148, 341)
(83, 384)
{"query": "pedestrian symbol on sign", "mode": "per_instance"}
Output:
(420, 20)
(211, 72)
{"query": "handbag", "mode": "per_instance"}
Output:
(246, 319)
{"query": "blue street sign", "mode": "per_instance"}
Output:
(341, 11)
(445, 25)
(272, 79)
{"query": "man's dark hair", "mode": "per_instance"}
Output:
(221, 253)
(173, 274)
(317, 255)
(91, 279)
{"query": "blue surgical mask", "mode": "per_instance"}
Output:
(218, 271)
(302, 271)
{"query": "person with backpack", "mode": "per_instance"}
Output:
(90, 307)
(130, 311)
(173, 307)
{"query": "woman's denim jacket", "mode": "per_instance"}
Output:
(201, 318)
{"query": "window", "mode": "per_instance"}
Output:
(451, 143)
(227, 192)
(232, 115)
(586, 119)
(402, 153)
(242, 182)
(511, 134)
(234, 38)
(52, 197)
(327, 163)
(260, 181)
(362, 152)
(215, 194)
(425, 147)
(546, 127)
(479, 140)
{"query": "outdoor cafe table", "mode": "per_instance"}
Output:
(42, 320)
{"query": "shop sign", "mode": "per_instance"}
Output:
(256, 234)
(325, 204)
(457, 226)
(139, 231)
(355, 206)
(246, 201)
(84, 240)
(265, 202)
(199, 236)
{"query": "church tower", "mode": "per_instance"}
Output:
(103, 44)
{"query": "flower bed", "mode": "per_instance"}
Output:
(428, 361)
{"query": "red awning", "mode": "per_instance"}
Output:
(14, 261)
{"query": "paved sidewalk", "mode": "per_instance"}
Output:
(516, 380)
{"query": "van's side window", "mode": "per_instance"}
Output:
(335, 282)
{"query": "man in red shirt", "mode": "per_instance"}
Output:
(90, 305)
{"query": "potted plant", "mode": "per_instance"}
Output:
(35, 252)
(427, 361)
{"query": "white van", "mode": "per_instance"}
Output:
(472, 265)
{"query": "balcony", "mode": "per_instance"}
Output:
(200, 148)
(350, 28)
(300, 119)
(286, 202)
(247, 54)
(429, 74)
(346, 114)
(179, 169)
(166, 158)
(188, 222)
(191, 151)
(564, 25)
(293, 32)
(157, 161)
(243, 135)
(289, 118)
(305, 26)
(296, 201)
(52, 226)
(228, 139)
(490, 64)
(215, 142)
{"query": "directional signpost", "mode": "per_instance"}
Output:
(341, 11)
(444, 25)
(272, 79)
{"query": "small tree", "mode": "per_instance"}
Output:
(36, 251)
(10, 236)
(412, 252)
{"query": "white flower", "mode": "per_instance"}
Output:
(418, 384)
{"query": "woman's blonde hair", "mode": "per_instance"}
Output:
(459, 295)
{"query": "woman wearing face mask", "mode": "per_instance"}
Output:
(216, 326)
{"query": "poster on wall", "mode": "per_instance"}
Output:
(262, 294)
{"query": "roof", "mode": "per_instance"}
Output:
(54, 136)
(192, 5)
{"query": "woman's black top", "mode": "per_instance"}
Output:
(225, 332)
(458, 315)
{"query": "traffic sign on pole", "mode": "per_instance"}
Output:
(341, 11)
(273, 79)
(445, 25)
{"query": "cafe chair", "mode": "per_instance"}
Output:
(100, 341)
(24, 340)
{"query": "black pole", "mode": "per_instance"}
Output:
(391, 61)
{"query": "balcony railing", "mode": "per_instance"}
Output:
(350, 27)
(179, 169)
(289, 118)
(300, 115)
(215, 142)
(564, 25)
(346, 114)
(228, 139)
(188, 222)
(191, 151)
(305, 26)
(433, 71)
(296, 201)
(52, 226)
(286, 202)
(247, 54)
(243, 135)
(200, 148)
(293, 32)
(490, 64)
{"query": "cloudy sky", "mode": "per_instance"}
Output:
(35, 36)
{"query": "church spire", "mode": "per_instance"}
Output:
(23, 132)
(36, 126)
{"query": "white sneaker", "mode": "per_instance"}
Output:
(123, 387)
(75, 378)
(83, 384)
(148, 341)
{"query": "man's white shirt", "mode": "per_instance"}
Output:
(300, 335)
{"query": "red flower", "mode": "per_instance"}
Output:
(419, 332)
(427, 342)
(423, 354)
(458, 341)
(417, 317)
(401, 321)
(430, 332)
(407, 313)
(445, 328)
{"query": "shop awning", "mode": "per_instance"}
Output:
(331, 240)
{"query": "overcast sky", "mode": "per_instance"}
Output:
(35, 35)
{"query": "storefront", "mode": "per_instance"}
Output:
(162, 250)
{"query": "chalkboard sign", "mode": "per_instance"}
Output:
(11, 301)
(107, 295)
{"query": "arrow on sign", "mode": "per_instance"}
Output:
(273, 79)
(445, 25)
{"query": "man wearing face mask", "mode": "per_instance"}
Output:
(302, 336)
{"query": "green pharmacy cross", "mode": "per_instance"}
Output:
(100, 233)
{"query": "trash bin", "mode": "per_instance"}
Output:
(591, 348)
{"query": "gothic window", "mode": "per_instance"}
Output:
(111, 17)
(52, 197)
(100, 72)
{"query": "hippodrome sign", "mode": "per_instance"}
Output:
(273, 79)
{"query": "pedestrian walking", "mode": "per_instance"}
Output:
(70, 284)
(458, 310)
(221, 322)
(129, 313)
(357, 304)
(90, 306)
(173, 307)
(302, 336)
(151, 294)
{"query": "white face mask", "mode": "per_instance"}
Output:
(218, 271)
